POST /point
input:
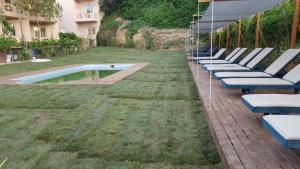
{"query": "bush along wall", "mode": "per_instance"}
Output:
(156, 13)
(141, 14)
(68, 43)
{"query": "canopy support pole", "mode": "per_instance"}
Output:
(240, 33)
(227, 38)
(198, 38)
(295, 24)
(257, 36)
(214, 38)
(220, 40)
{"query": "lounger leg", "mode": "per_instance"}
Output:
(251, 91)
(247, 91)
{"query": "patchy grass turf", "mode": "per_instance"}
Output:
(150, 120)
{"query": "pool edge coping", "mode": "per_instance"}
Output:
(109, 80)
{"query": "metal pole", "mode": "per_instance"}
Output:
(192, 40)
(198, 36)
(211, 49)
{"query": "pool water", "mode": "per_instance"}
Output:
(76, 73)
(84, 75)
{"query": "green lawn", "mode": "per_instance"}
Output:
(150, 120)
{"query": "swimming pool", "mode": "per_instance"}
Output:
(59, 73)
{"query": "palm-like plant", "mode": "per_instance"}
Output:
(6, 26)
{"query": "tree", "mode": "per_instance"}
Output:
(47, 9)
(6, 26)
(6, 43)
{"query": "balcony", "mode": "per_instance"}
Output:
(86, 17)
(10, 11)
(84, 0)
(41, 20)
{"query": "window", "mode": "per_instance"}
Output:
(89, 8)
(43, 33)
(13, 32)
(37, 32)
(91, 31)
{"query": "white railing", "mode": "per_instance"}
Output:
(86, 17)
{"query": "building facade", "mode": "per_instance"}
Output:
(27, 27)
(82, 17)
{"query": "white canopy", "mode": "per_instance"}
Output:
(229, 11)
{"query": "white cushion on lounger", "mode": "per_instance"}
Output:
(250, 56)
(237, 55)
(256, 81)
(293, 75)
(217, 55)
(213, 61)
(202, 58)
(286, 125)
(273, 100)
(228, 68)
(241, 74)
(222, 61)
(222, 65)
(243, 61)
(263, 54)
(232, 53)
(282, 61)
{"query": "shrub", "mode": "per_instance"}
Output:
(109, 27)
(149, 40)
(6, 43)
(154, 12)
(173, 43)
(109, 6)
(161, 15)
(134, 26)
(129, 43)
(67, 35)
(69, 41)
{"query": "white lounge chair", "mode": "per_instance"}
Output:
(243, 62)
(285, 128)
(241, 66)
(218, 55)
(232, 54)
(272, 103)
(249, 85)
(272, 70)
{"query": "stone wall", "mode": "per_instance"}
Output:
(151, 38)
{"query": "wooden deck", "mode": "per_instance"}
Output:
(239, 135)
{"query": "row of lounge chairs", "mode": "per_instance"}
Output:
(238, 72)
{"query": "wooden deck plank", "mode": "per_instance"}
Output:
(239, 135)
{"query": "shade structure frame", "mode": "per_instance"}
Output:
(227, 12)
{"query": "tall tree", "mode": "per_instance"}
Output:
(47, 9)
(6, 26)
